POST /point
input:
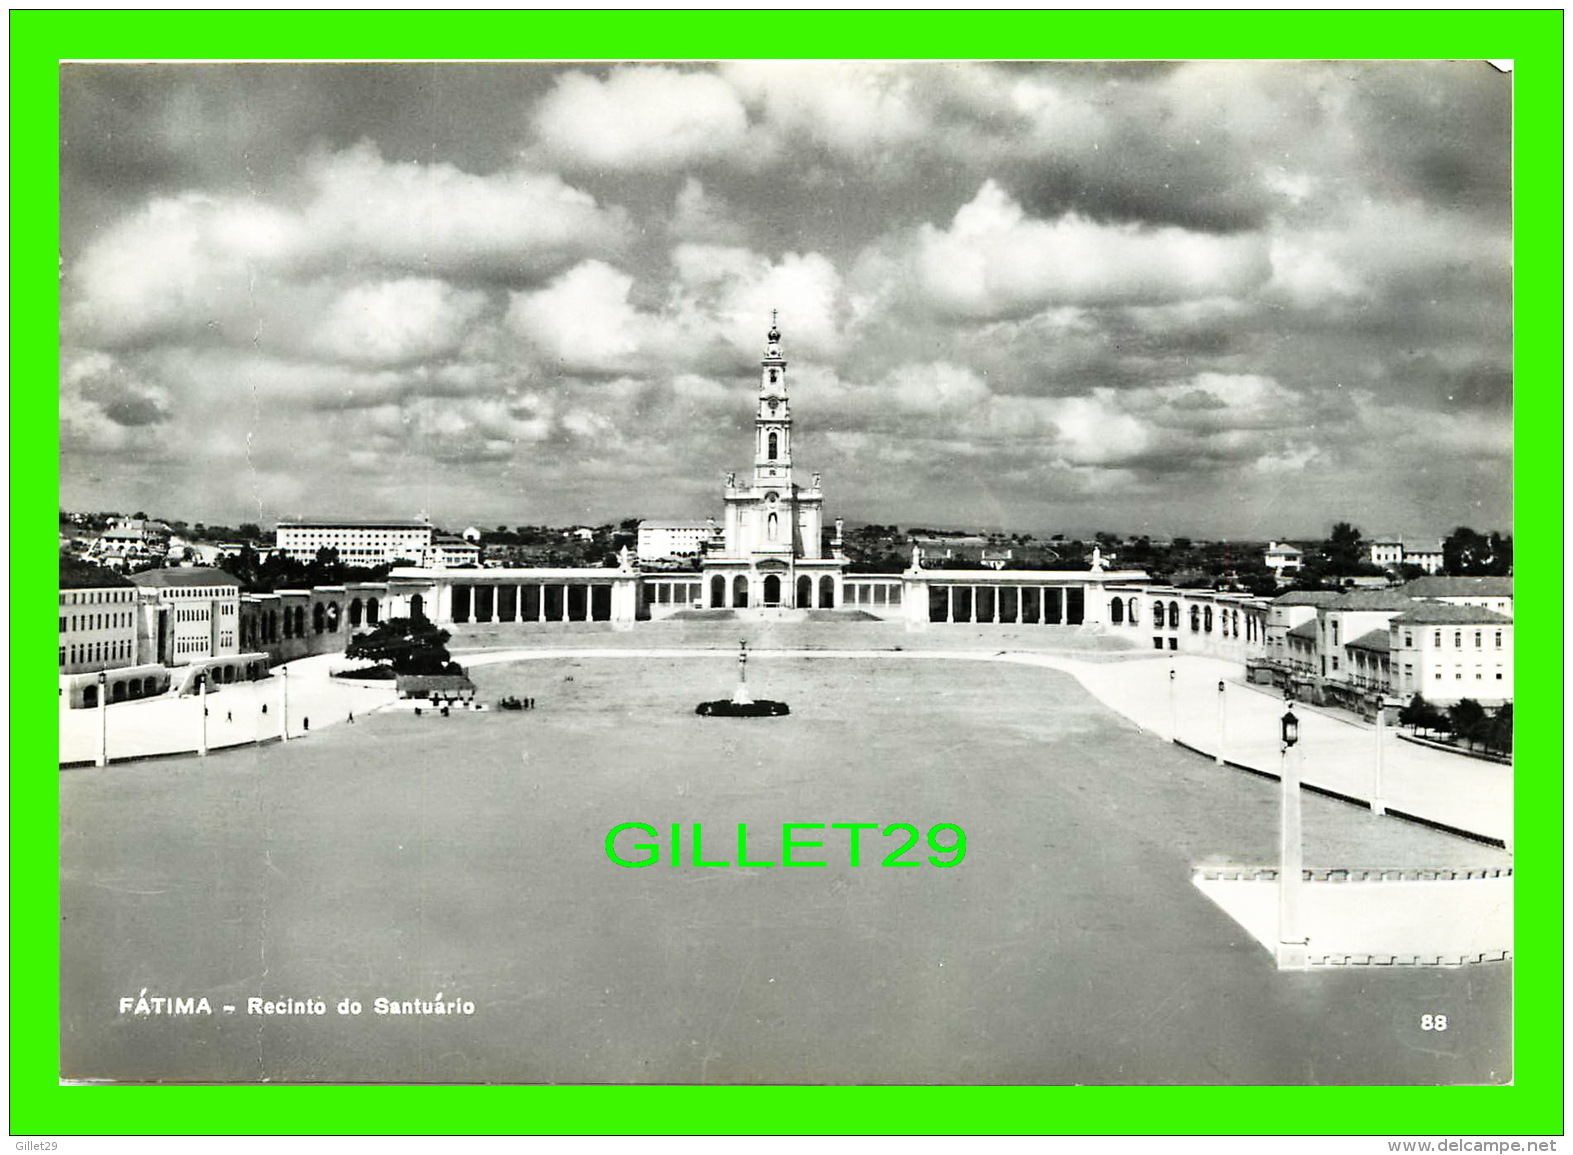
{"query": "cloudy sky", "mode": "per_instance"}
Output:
(1222, 299)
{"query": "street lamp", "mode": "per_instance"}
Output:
(284, 713)
(1222, 732)
(1174, 717)
(1291, 939)
(1377, 805)
(103, 721)
(202, 698)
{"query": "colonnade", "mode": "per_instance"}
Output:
(1007, 604)
(531, 602)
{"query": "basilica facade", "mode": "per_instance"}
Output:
(775, 555)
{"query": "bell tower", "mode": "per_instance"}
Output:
(773, 557)
(773, 419)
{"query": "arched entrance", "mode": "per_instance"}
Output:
(805, 592)
(717, 592)
(740, 591)
(1117, 611)
(772, 590)
(417, 607)
(827, 593)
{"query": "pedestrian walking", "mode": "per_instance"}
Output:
(352, 717)
(229, 715)
(305, 723)
(264, 707)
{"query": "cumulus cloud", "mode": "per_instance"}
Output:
(995, 261)
(640, 118)
(106, 406)
(582, 321)
(239, 268)
(549, 287)
(392, 322)
(436, 217)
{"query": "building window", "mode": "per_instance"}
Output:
(1477, 639)
(1409, 640)
(1436, 639)
(1499, 639)
(1335, 663)
(1196, 618)
(1458, 639)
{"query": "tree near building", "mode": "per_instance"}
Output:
(1342, 549)
(409, 645)
(1466, 553)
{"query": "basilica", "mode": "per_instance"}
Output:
(774, 554)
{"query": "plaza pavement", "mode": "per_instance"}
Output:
(1339, 754)
(173, 725)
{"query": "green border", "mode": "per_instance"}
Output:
(1533, 39)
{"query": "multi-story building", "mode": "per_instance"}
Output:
(1448, 652)
(677, 539)
(1425, 554)
(1289, 612)
(1492, 593)
(360, 543)
(448, 551)
(191, 615)
(1283, 558)
(102, 650)
(1387, 550)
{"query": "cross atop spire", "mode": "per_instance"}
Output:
(775, 333)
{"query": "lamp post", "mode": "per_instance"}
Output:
(202, 699)
(1222, 729)
(1291, 939)
(1174, 717)
(1377, 805)
(103, 721)
(284, 712)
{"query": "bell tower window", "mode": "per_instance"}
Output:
(772, 447)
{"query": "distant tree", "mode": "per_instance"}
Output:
(1466, 553)
(1341, 550)
(409, 645)
(249, 531)
(139, 515)
(1182, 543)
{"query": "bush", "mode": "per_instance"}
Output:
(369, 673)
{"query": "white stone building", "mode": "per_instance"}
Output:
(774, 555)
(1449, 652)
(360, 543)
(450, 552)
(677, 539)
(1283, 558)
(1387, 550)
